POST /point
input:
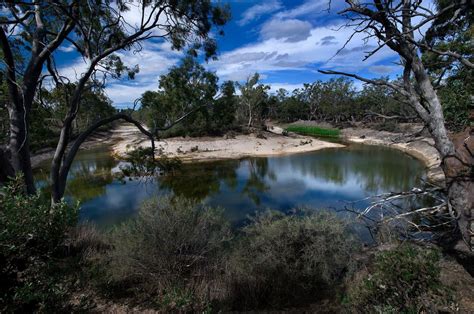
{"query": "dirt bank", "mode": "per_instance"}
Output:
(209, 148)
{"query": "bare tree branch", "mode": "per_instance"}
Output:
(393, 86)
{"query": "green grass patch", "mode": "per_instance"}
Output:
(314, 131)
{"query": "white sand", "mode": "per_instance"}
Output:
(207, 148)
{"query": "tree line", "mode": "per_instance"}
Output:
(237, 106)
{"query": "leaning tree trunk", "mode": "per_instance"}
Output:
(61, 166)
(456, 155)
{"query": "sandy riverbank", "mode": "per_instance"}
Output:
(126, 137)
(212, 148)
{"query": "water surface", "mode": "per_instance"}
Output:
(331, 178)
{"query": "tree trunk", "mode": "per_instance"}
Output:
(6, 170)
(19, 146)
(457, 158)
(458, 169)
(249, 124)
(60, 166)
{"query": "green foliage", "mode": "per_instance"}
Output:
(313, 131)
(94, 104)
(456, 99)
(46, 116)
(31, 236)
(187, 23)
(190, 88)
(179, 255)
(186, 88)
(401, 280)
(447, 33)
(338, 102)
(337, 99)
(286, 108)
(168, 251)
(223, 110)
(376, 99)
(283, 260)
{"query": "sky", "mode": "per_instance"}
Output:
(285, 41)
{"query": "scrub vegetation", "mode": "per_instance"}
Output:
(181, 255)
(405, 279)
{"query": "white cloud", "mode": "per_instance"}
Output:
(133, 17)
(68, 48)
(289, 87)
(312, 8)
(153, 60)
(75, 69)
(275, 54)
(124, 95)
(256, 11)
(384, 69)
(292, 30)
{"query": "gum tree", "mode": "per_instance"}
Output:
(97, 30)
(252, 99)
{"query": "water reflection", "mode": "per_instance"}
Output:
(323, 179)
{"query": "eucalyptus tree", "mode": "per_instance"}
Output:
(252, 99)
(312, 94)
(97, 30)
(187, 87)
(329, 101)
(399, 25)
(380, 102)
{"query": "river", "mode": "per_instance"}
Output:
(326, 179)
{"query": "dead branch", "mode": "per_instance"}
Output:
(388, 209)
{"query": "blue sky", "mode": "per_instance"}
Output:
(285, 41)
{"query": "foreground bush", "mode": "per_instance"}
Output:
(289, 260)
(32, 234)
(169, 253)
(401, 280)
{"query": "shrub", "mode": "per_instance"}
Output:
(313, 131)
(32, 233)
(401, 280)
(170, 250)
(283, 260)
(388, 126)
